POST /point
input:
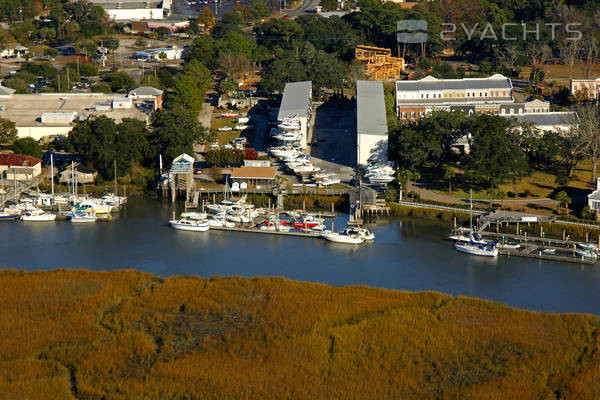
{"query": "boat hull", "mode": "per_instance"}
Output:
(189, 227)
(476, 251)
(39, 218)
(345, 239)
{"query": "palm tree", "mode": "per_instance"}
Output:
(563, 199)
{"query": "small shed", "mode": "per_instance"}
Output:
(122, 103)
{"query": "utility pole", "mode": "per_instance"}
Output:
(52, 175)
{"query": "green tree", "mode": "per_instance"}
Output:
(141, 43)
(162, 32)
(449, 174)
(175, 132)
(563, 199)
(206, 18)
(8, 131)
(28, 146)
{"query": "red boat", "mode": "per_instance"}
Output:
(307, 222)
(230, 115)
(269, 223)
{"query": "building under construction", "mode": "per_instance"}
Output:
(379, 62)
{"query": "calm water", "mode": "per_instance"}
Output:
(408, 254)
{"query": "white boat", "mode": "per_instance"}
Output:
(275, 227)
(362, 232)
(7, 215)
(38, 217)
(508, 245)
(327, 181)
(241, 127)
(287, 137)
(341, 237)
(464, 235)
(194, 215)
(549, 250)
(239, 218)
(83, 217)
(189, 225)
(488, 250)
(380, 179)
(304, 168)
(585, 253)
(94, 206)
(220, 222)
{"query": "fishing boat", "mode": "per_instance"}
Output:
(342, 237)
(189, 225)
(487, 250)
(32, 216)
(78, 217)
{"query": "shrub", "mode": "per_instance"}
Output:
(510, 194)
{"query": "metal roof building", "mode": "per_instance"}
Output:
(548, 121)
(371, 122)
(296, 100)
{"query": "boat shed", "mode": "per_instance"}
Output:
(371, 123)
(254, 177)
(296, 104)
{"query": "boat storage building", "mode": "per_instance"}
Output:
(371, 123)
(296, 103)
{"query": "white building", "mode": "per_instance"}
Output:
(594, 198)
(296, 103)
(171, 53)
(371, 123)
(135, 10)
(548, 121)
(585, 87)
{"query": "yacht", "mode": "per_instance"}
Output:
(189, 225)
(194, 215)
(362, 232)
(380, 178)
(327, 181)
(220, 222)
(38, 216)
(83, 217)
(309, 221)
(342, 237)
(488, 250)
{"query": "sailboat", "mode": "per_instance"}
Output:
(472, 247)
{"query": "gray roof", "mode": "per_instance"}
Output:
(595, 195)
(296, 100)
(145, 91)
(6, 91)
(429, 83)
(546, 118)
(370, 105)
(456, 100)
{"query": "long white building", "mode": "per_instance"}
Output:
(371, 123)
(134, 10)
(296, 103)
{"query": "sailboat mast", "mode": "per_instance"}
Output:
(52, 175)
(471, 210)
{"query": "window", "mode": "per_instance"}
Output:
(503, 111)
(426, 95)
(520, 111)
(574, 88)
(421, 114)
(412, 114)
(403, 115)
(480, 94)
(512, 111)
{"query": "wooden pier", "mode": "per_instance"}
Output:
(309, 233)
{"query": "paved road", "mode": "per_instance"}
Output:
(306, 6)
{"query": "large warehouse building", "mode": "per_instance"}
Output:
(53, 114)
(371, 123)
(132, 10)
(296, 104)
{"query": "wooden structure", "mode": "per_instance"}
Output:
(379, 62)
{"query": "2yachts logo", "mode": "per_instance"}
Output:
(411, 31)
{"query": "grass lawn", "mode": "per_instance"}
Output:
(224, 137)
(560, 72)
(540, 184)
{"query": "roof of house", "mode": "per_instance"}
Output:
(6, 91)
(18, 160)
(145, 91)
(370, 108)
(546, 118)
(296, 100)
(496, 81)
(254, 173)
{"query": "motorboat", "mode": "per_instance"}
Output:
(327, 181)
(8, 215)
(307, 167)
(508, 245)
(319, 228)
(94, 206)
(198, 216)
(240, 127)
(341, 237)
(275, 227)
(186, 224)
(362, 232)
(586, 253)
(238, 218)
(83, 217)
(225, 129)
(222, 207)
(38, 217)
(287, 137)
(220, 222)
(309, 221)
(474, 249)
(380, 179)
(230, 115)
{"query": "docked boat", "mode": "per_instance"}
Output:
(327, 181)
(78, 217)
(38, 217)
(309, 221)
(194, 215)
(586, 253)
(342, 237)
(362, 232)
(189, 225)
(93, 206)
(488, 250)
(380, 179)
(275, 227)
(9, 215)
(465, 235)
(238, 218)
(220, 222)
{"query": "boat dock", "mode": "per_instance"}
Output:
(308, 233)
(537, 247)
